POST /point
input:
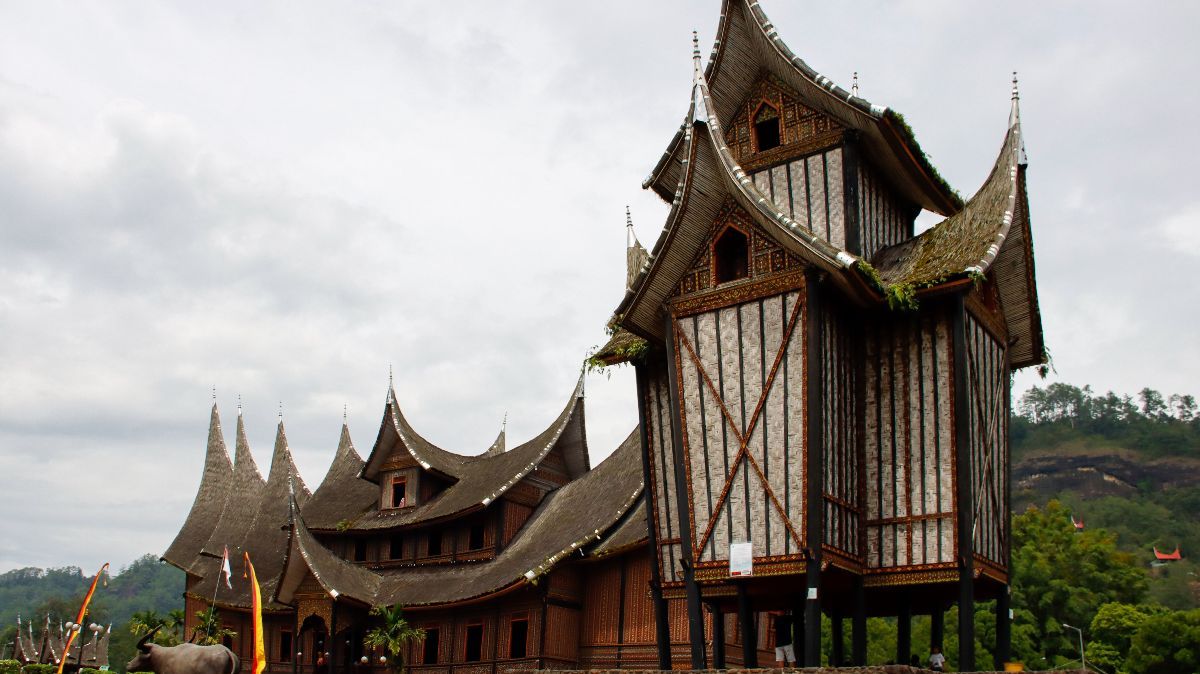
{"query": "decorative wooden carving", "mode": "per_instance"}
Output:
(766, 256)
(799, 125)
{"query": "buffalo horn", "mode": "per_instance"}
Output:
(141, 644)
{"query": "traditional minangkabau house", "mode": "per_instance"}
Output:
(823, 397)
(50, 647)
(513, 558)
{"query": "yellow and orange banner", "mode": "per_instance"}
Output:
(260, 652)
(77, 627)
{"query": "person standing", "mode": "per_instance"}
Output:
(937, 661)
(784, 650)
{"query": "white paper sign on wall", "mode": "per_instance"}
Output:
(741, 559)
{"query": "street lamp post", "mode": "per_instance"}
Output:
(1082, 658)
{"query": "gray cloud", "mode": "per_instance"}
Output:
(284, 200)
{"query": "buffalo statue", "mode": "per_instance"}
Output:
(182, 659)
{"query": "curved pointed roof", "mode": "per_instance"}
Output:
(245, 492)
(711, 175)
(266, 539)
(342, 494)
(989, 236)
(479, 479)
(210, 500)
(568, 519)
(498, 446)
(265, 536)
(747, 43)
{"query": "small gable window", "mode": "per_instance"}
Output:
(399, 492)
(731, 256)
(475, 537)
(766, 128)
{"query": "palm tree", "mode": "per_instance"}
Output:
(142, 622)
(210, 629)
(393, 635)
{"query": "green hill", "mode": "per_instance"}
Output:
(1130, 466)
(144, 585)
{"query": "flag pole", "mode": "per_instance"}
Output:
(76, 628)
(212, 606)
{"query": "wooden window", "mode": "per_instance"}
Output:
(360, 550)
(434, 546)
(396, 547)
(731, 256)
(431, 649)
(475, 537)
(518, 636)
(285, 646)
(474, 651)
(766, 128)
(399, 492)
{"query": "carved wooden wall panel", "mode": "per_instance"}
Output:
(741, 388)
(909, 441)
(987, 394)
(810, 190)
(662, 478)
(842, 482)
(885, 219)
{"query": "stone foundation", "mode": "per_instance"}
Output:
(877, 669)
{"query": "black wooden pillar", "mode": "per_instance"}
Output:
(858, 631)
(718, 621)
(904, 630)
(683, 509)
(814, 533)
(798, 631)
(937, 629)
(746, 625)
(662, 626)
(966, 502)
(332, 639)
(1003, 629)
(837, 655)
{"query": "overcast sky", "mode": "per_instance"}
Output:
(283, 199)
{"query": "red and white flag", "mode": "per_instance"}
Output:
(225, 570)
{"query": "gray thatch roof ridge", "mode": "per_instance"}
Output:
(342, 495)
(210, 500)
(968, 241)
(567, 520)
(633, 531)
(485, 477)
(245, 491)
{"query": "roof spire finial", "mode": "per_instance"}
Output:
(344, 408)
(214, 392)
(854, 86)
(281, 411)
(696, 54)
(1014, 116)
(390, 381)
(630, 237)
(504, 423)
(239, 404)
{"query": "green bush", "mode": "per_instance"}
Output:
(89, 670)
(10, 667)
(41, 669)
